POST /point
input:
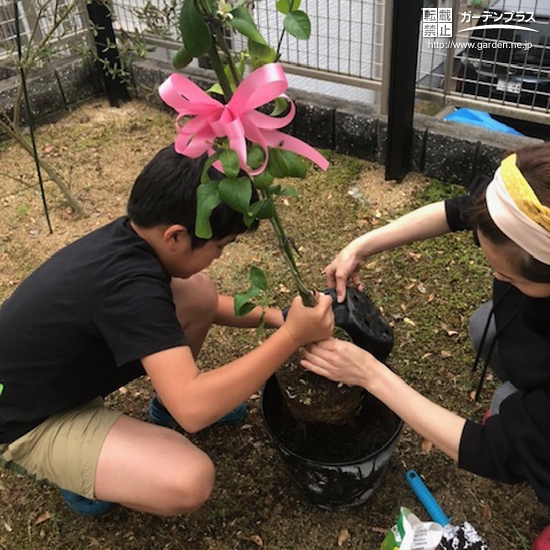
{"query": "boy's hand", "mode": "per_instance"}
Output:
(310, 324)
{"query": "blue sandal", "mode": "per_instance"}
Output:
(159, 415)
(86, 506)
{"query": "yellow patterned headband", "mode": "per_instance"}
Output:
(522, 193)
(517, 211)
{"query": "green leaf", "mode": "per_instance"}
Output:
(288, 192)
(215, 89)
(262, 209)
(230, 163)
(242, 22)
(245, 309)
(261, 52)
(258, 278)
(208, 197)
(205, 178)
(181, 58)
(285, 6)
(297, 24)
(281, 106)
(248, 218)
(242, 304)
(284, 163)
(255, 156)
(195, 33)
(263, 180)
(236, 193)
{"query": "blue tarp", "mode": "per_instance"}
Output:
(479, 118)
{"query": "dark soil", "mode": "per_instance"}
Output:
(362, 435)
(312, 398)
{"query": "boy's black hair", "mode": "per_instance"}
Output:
(165, 193)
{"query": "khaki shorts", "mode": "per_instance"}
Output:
(64, 449)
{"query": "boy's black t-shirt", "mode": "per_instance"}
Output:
(78, 326)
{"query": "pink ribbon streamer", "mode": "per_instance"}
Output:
(239, 120)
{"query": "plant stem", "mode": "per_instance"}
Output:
(222, 42)
(217, 64)
(306, 294)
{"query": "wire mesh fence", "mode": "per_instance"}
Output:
(492, 55)
(54, 28)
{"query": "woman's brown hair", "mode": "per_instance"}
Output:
(534, 163)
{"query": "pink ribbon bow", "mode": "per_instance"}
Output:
(239, 120)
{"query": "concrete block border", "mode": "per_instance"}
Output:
(52, 90)
(446, 151)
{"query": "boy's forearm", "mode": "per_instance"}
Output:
(225, 387)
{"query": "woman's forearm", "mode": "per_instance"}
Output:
(423, 223)
(347, 363)
(437, 424)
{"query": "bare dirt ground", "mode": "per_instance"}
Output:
(427, 292)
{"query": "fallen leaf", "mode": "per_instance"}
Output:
(246, 426)
(426, 355)
(431, 297)
(8, 527)
(257, 540)
(421, 288)
(452, 333)
(343, 537)
(427, 446)
(409, 322)
(487, 513)
(445, 353)
(415, 256)
(42, 518)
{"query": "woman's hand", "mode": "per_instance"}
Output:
(310, 324)
(345, 362)
(423, 223)
(343, 269)
(340, 361)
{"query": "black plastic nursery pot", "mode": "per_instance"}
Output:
(336, 466)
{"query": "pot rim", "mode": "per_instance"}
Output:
(389, 442)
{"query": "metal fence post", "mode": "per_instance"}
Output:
(404, 53)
